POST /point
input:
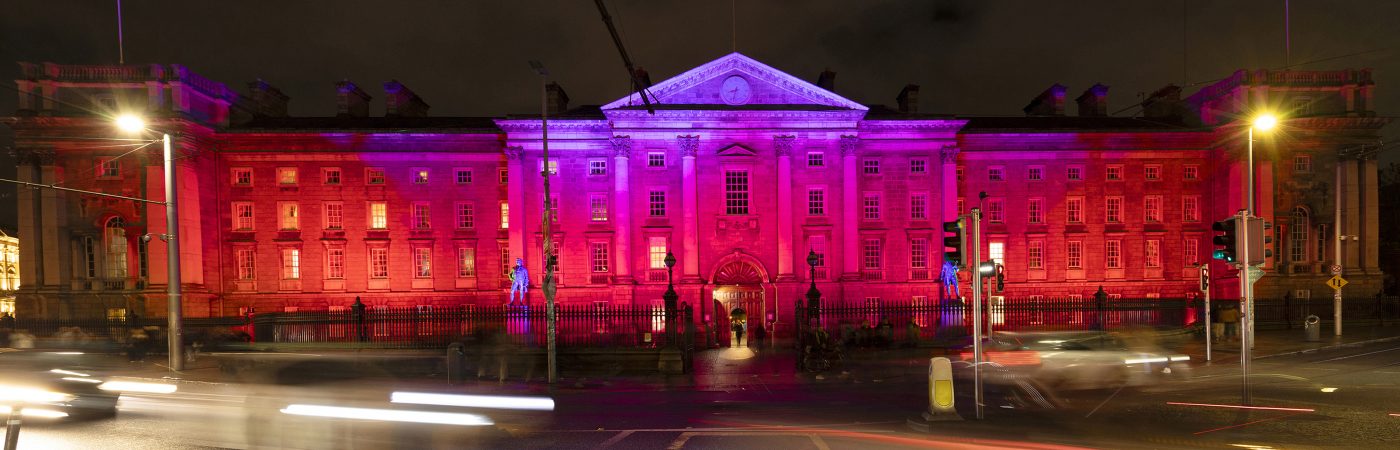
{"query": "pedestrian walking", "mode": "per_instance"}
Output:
(1217, 328)
(1230, 316)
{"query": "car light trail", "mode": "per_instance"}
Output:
(68, 372)
(82, 380)
(388, 415)
(474, 401)
(30, 395)
(1145, 360)
(1329, 389)
(1265, 408)
(134, 386)
(36, 412)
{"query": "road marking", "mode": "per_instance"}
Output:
(1105, 402)
(1246, 423)
(614, 440)
(1267, 408)
(1353, 356)
(817, 441)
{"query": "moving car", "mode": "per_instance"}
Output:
(1071, 361)
(54, 385)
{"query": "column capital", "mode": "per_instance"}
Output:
(689, 144)
(514, 152)
(848, 145)
(622, 146)
(949, 153)
(782, 145)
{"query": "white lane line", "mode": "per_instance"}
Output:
(680, 441)
(614, 440)
(1353, 356)
(817, 441)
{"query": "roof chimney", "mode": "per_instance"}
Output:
(1163, 103)
(558, 100)
(266, 100)
(351, 101)
(909, 99)
(1048, 103)
(400, 101)
(827, 80)
(1094, 101)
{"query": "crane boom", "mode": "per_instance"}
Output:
(626, 60)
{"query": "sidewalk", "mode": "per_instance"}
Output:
(1273, 343)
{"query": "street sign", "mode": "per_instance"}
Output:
(1255, 273)
(1336, 269)
(1336, 282)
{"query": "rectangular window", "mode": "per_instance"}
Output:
(1035, 210)
(1035, 173)
(243, 216)
(816, 159)
(335, 263)
(961, 210)
(420, 175)
(1190, 253)
(873, 254)
(598, 207)
(597, 167)
(1152, 209)
(374, 175)
(1152, 172)
(1074, 254)
(996, 210)
(421, 218)
(996, 251)
(1114, 172)
(242, 176)
(1035, 255)
(505, 215)
(463, 176)
(330, 175)
(918, 166)
(1074, 173)
(961, 173)
(656, 203)
(287, 216)
(918, 206)
(1154, 253)
(656, 251)
(466, 262)
(996, 173)
(598, 255)
(870, 167)
(1113, 210)
(379, 262)
(918, 253)
(378, 215)
(553, 167)
(335, 215)
(244, 258)
(656, 159)
(287, 176)
(816, 202)
(1074, 210)
(503, 176)
(870, 206)
(291, 264)
(108, 168)
(1302, 163)
(1113, 254)
(817, 244)
(736, 192)
(1191, 208)
(466, 217)
(422, 262)
(1191, 172)
(553, 208)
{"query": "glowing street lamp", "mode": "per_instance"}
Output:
(1263, 122)
(135, 124)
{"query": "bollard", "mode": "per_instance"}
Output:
(456, 363)
(940, 391)
(1312, 328)
(12, 427)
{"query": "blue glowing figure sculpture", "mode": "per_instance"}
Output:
(950, 280)
(519, 281)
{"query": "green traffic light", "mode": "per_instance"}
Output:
(1222, 254)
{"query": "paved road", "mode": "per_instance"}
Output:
(765, 412)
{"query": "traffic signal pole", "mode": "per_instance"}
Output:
(975, 244)
(1246, 305)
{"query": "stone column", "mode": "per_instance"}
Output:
(850, 206)
(515, 197)
(29, 225)
(1370, 215)
(782, 146)
(949, 183)
(690, 255)
(51, 208)
(622, 208)
(1351, 213)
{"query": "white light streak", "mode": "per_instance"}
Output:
(475, 401)
(136, 386)
(389, 415)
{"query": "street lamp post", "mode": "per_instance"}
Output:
(174, 312)
(670, 298)
(814, 296)
(548, 247)
(1263, 122)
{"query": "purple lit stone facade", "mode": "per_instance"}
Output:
(740, 172)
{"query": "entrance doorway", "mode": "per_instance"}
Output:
(740, 303)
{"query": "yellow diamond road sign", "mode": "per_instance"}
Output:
(1336, 282)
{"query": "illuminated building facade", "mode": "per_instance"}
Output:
(740, 171)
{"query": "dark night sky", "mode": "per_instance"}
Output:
(469, 57)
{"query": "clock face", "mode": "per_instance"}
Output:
(735, 90)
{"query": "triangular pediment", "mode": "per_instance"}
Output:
(736, 150)
(736, 80)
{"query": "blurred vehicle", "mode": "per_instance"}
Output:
(1071, 361)
(55, 385)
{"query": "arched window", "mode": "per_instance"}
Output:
(116, 249)
(1298, 236)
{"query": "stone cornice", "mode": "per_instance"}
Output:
(746, 65)
(946, 125)
(732, 114)
(529, 125)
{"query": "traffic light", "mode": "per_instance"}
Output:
(1001, 278)
(1229, 240)
(953, 245)
(1259, 240)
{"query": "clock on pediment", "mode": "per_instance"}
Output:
(735, 90)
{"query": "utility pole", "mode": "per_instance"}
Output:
(1337, 249)
(548, 247)
(975, 268)
(1246, 304)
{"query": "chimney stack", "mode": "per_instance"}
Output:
(1163, 103)
(558, 100)
(1048, 103)
(351, 101)
(266, 100)
(1094, 101)
(400, 101)
(827, 80)
(909, 99)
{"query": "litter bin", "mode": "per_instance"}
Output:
(1312, 326)
(456, 363)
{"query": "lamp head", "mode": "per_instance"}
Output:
(812, 258)
(1265, 122)
(131, 123)
(670, 260)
